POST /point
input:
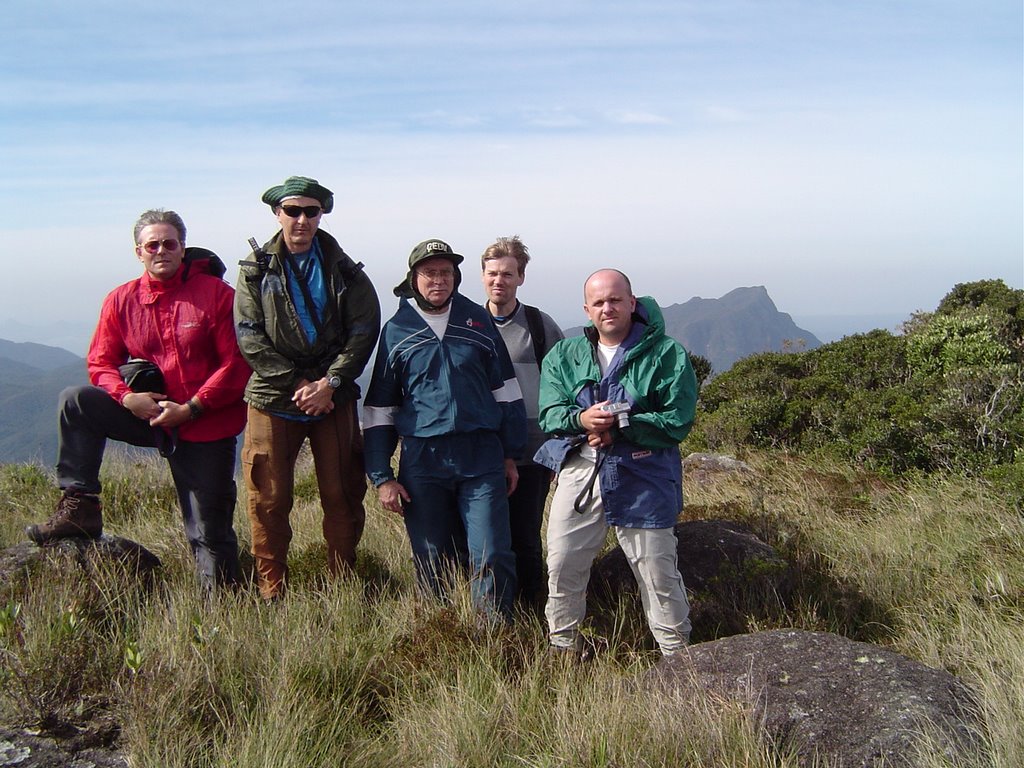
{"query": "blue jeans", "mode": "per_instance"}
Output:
(459, 506)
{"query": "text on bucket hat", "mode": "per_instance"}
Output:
(433, 249)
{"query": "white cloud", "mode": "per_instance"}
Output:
(848, 159)
(556, 118)
(441, 119)
(636, 117)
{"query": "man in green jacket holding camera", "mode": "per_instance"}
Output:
(307, 318)
(618, 400)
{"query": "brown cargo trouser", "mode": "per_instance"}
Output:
(269, 452)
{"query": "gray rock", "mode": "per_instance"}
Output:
(700, 468)
(18, 561)
(824, 694)
(30, 749)
(729, 573)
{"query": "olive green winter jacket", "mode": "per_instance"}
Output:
(270, 333)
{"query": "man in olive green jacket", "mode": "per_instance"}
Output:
(307, 318)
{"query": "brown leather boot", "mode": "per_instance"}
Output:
(77, 515)
(270, 576)
(341, 562)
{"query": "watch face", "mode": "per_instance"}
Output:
(334, 382)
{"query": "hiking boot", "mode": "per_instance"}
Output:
(271, 576)
(76, 516)
(570, 656)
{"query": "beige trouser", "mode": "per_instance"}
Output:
(269, 452)
(575, 538)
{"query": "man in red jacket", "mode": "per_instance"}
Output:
(178, 317)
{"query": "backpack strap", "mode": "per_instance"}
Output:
(262, 263)
(349, 268)
(304, 288)
(537, 335)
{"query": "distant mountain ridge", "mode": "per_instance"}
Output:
(37, 355)
(741, 323)
(31, 377)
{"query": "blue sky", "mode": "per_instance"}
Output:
(854, 158)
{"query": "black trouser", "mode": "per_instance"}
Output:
(203, 473)
(526, 512)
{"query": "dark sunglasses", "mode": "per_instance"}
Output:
(154, 245)
(311, 211)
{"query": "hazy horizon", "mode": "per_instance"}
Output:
(826, 328)
(853, 158)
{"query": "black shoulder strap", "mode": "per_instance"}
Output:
(350, 268)
(262, 262)
(306, 296)
(536, 325)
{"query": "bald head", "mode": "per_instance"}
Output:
(609, 303)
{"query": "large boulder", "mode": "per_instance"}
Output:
(730, 574)
(823, 694)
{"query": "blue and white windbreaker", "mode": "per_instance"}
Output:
(425, 387)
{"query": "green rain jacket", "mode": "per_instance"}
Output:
(641, 478)
(270, 333)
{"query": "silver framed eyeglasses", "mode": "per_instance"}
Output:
(440, 275)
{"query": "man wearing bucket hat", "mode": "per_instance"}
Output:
(306, 317)
(443, 383)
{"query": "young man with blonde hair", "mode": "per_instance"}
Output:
(528, 334)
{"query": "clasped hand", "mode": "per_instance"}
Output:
(155, 408)
(314, 398)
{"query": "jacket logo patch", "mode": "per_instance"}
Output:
(640, 454)
(471, 323)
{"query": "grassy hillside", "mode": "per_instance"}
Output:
(360, 672)
(888, 471)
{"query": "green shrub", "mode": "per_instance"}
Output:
(949, 394)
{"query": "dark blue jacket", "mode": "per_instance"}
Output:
(424, 387)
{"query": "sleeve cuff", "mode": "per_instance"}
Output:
(379, 478)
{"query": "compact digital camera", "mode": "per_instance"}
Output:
(620, 411)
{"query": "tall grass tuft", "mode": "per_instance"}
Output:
(364, 671)
(930, 566)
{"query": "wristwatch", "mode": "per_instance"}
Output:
(333, 382)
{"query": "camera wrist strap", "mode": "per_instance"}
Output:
(586, 496)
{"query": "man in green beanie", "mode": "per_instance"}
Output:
(307, 318)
